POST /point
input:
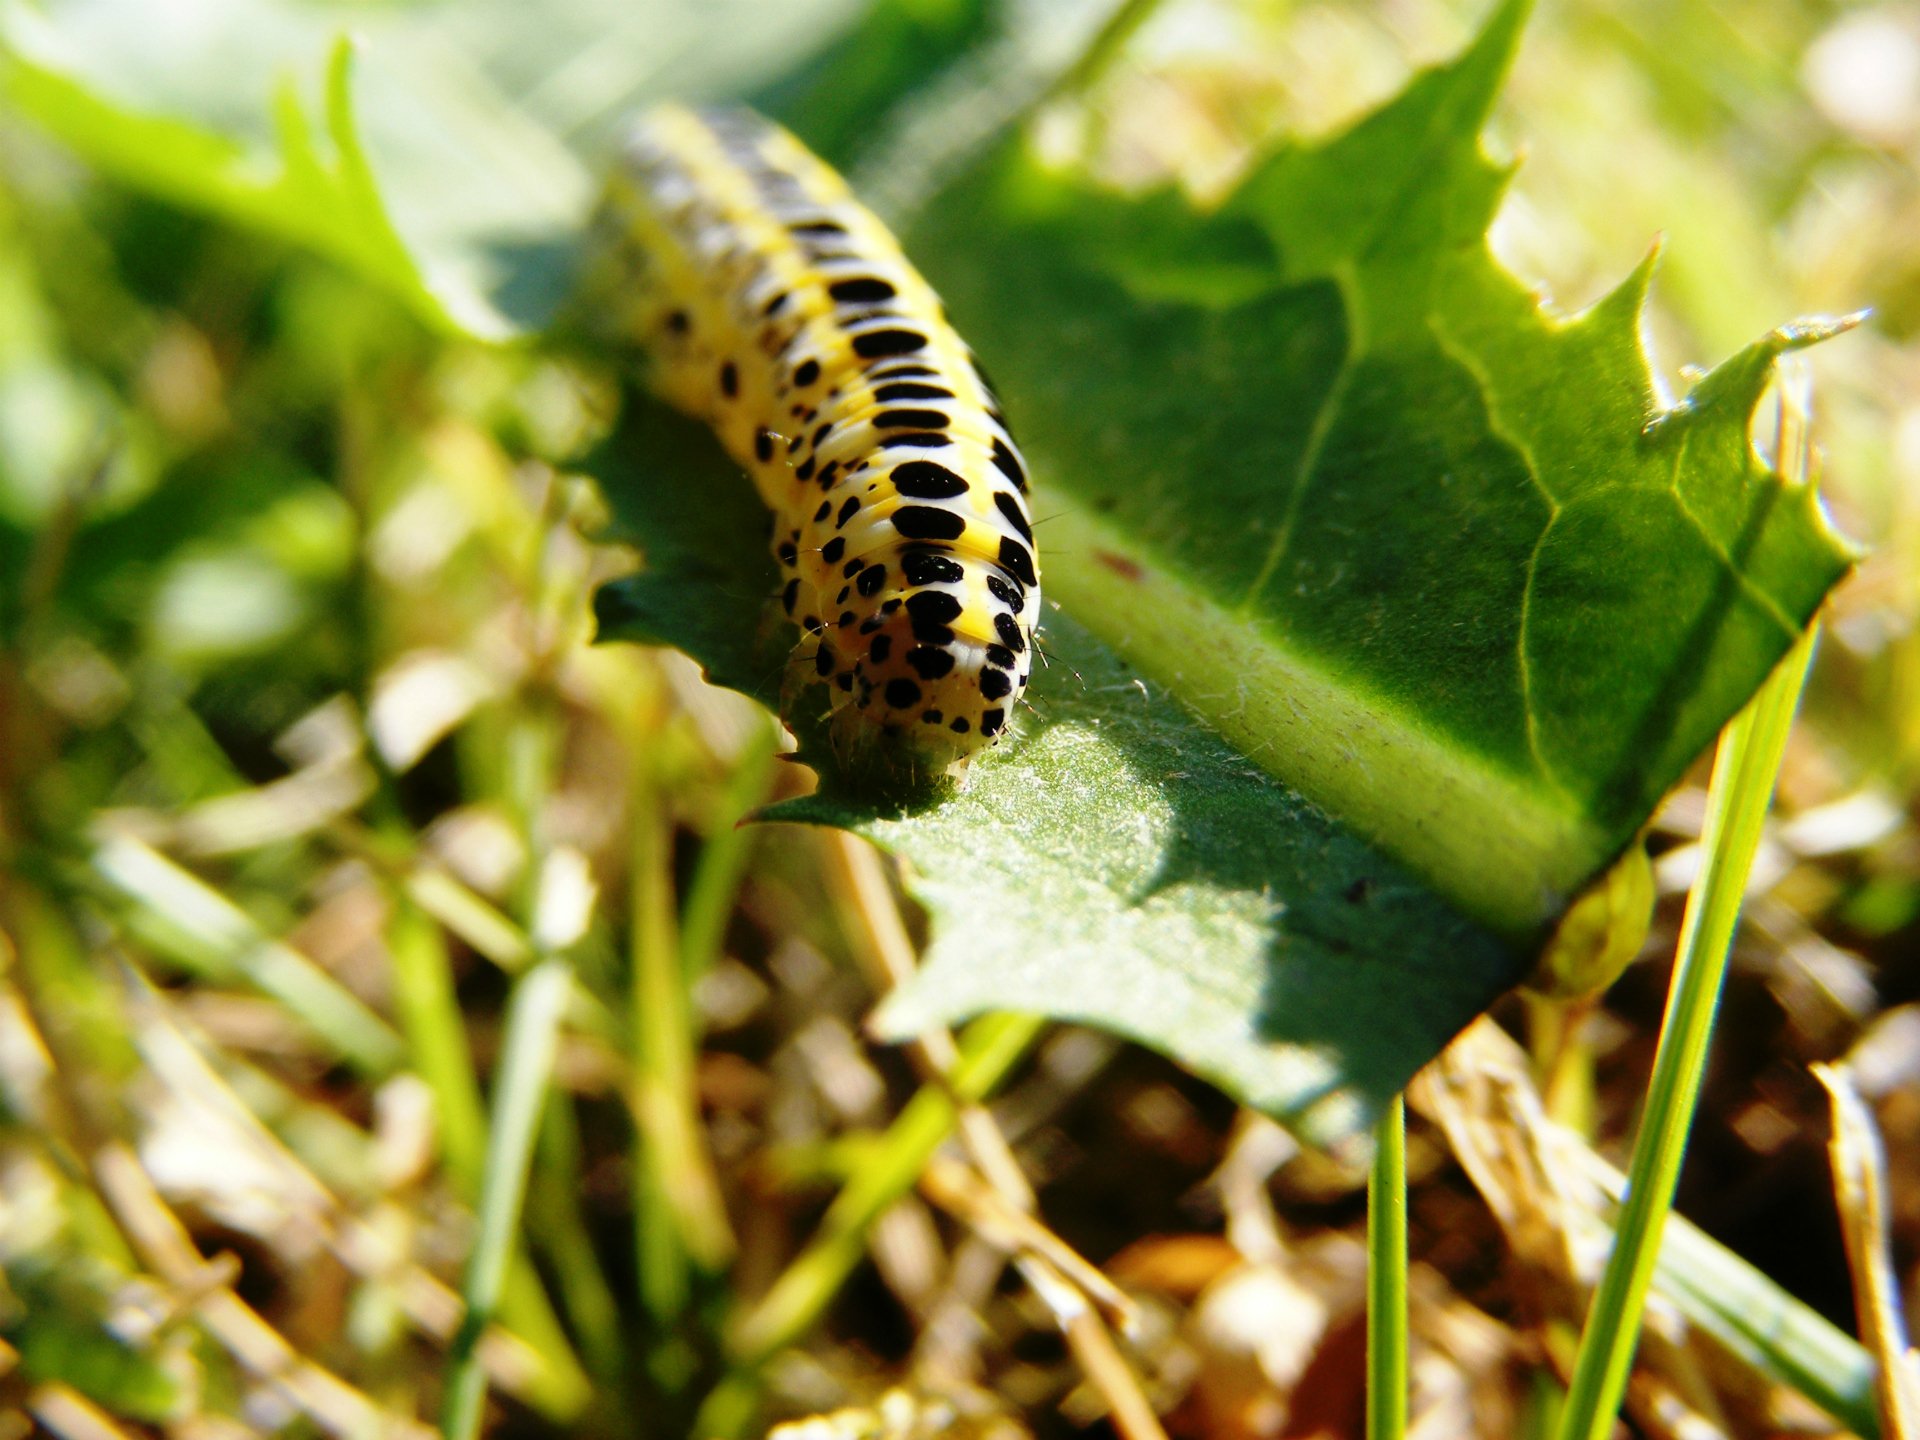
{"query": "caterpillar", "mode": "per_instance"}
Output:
(774, 306)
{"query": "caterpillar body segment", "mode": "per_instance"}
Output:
(777, 308)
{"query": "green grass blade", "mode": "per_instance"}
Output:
(681, 1234)
(557, 1219)
(430, 1019)
(1767, 1328)
(1387, 1278)
(1743, 777)
(989, 1049)
(723, 858)
(661, 1072)
(179, 915)
(526, 1069)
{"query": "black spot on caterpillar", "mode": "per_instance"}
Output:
(751, 274)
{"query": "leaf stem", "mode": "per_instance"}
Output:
(526, 1068)
(681, 1230)
(1387, 1277)
(1744, 770)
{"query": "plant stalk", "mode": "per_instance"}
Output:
(1744, 771)
(1387, 1277)
(526, 1069)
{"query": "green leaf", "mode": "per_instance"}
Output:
(1123, 867)
(1434, 556)
(1340, 524)
(447, 169)
(327, 201)
(1115, 863)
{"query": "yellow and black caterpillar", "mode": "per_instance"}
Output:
(776, 307)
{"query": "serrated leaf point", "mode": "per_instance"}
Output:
(1812, 329)
(1733, 387)
(1627, 299)
(1492, 51)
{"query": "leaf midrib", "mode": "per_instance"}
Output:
(1505, 849)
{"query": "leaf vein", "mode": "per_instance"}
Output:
(1305, 471)
(1529, 715)
(1767, 605)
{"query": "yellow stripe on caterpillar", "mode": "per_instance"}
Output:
(777, 308)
